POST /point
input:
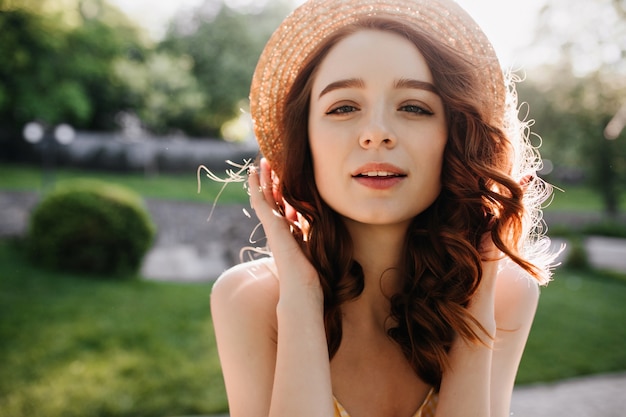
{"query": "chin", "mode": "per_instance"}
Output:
(380, 219)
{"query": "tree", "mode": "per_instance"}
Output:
(570, 114)
(31, 86)
(574, 94)
(589, 34)
(162, 90)
(224, 44)
(57, 63)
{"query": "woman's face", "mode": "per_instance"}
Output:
(377, 129)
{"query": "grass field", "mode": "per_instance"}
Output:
(576, 198)
(78, 347)
(579, 327)
(166, 186)
(73, 346)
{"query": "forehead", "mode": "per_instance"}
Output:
(372, 54)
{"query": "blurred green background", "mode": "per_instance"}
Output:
(145, 112)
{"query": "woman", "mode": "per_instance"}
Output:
(398, 196)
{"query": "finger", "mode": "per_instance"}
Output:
(261, 197)
(266, 182)
(274, 181)
(254, 187)
(525, 181)
(290, 213)
(488, 249)
(271, 183)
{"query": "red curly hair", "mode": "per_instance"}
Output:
(441, 259)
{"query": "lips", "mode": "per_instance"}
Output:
(379, 170)
(379, 176)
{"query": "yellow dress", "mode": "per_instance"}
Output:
(427, 409)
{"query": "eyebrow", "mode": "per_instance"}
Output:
(347, 83)
(415, 84)
(399, 84)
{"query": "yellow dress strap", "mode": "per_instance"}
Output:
(339, 410)
(427, 409)
(429, 405)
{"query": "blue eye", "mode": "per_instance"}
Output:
(343, 109)
(411, 108)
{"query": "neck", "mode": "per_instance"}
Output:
(378, 250)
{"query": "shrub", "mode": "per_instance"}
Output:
(561, 230)
(577, 258)
(607, 227)
(90, 226)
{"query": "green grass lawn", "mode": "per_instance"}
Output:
(73, 346)
(577, 198)
(579, 327)
(164, 186)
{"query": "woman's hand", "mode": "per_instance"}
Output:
(302, 383)
(294, 269)
(466, 384)
(482, 303)
(490, 256)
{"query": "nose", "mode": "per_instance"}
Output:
(376, 132)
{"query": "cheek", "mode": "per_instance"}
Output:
(431, 157)
(319, 157)
(323, 146)
(439, 146)
(428, 146)
(323, 163)
(327, 162)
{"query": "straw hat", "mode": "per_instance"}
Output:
(305, 29)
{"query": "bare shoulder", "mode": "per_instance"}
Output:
(243, 308)
(517, 296)
(249, 287)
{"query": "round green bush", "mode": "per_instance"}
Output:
(92, 227)
(577, 257)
